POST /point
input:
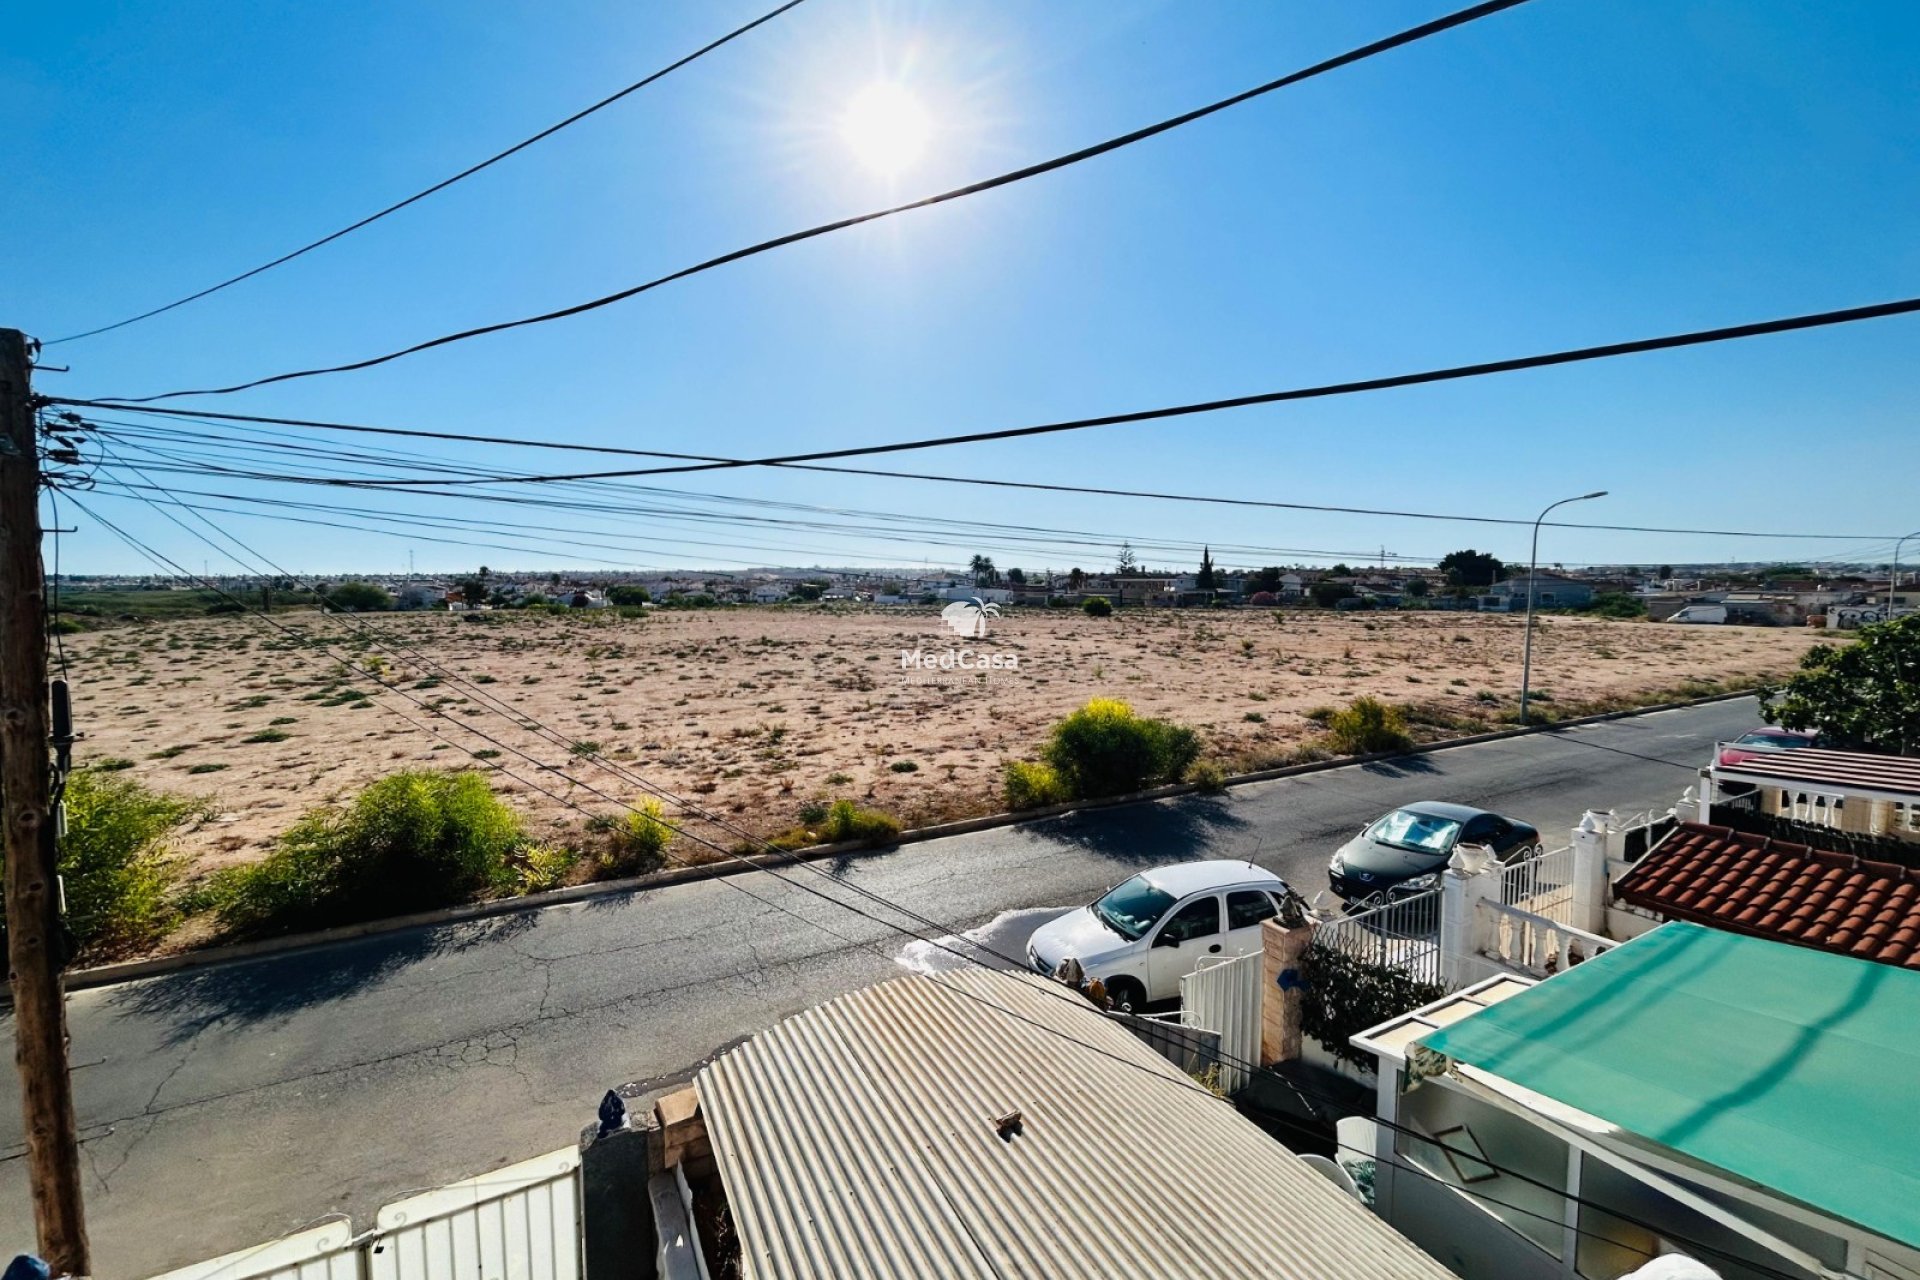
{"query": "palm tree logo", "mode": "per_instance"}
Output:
(968, 617)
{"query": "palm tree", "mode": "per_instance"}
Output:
(983, 571)
(1076, 579)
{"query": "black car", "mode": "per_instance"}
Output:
(1405, 851)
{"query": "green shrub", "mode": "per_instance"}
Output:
(540, 867)
(847, 821)
(268, 735)
(206, 768)
(1029, 784)
(1096, 606)
(111, 764)
(1208, 776)
(904, 766)
(408, 842)
(119, 872)
(1367, 726)
(1105, 749)
(637, 843)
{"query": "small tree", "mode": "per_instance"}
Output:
(1864, 696)
(1076, 579)
(628, 596)
(359, 597)
(1417, 588)
(1206, 580)
(1017, 576)
(1326, 594)
(1097, 607)
(1125, 562)
(1472, 568)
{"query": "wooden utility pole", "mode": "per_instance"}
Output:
(34, 943)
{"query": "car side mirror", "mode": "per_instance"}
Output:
(1166, 939)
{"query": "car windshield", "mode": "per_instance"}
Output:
(1778, 741)
(1421, 832)
(1130, 909)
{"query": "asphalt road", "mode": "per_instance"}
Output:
(223, 1106)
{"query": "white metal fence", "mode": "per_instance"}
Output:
(1403, 934)
(1542, 885)
(517, 1223)
(1223, 996)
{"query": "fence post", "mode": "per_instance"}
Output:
(1590, 885)
(1282, 993)
(1471, 875)
(616, 1217)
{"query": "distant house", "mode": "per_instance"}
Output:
(769, 593)
(1550, 591)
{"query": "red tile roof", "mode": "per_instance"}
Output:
(1787, 892)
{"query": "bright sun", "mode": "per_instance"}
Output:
(887, 127)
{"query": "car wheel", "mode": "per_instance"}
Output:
(1127, 995)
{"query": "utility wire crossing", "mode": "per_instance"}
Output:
(441, 185)
(1409, 36)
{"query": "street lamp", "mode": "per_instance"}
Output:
(1893, 579)
(1533, 571)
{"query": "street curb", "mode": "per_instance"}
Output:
(109, 974)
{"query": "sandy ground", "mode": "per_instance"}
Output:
(753, 712)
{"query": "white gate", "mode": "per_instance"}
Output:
(1403, 934)
(517, 1223)
(1223, 996)
(1542, 885)
(325, 1252)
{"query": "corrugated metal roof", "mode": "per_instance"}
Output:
(857, 1139)
(1849, 770)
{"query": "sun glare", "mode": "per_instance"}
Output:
(886, 127)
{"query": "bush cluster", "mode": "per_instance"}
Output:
(408, 842)
(637, 843)
(1366, 726)
(1103, 749)
(1097, 606)
(120, 875)
(1030, 784)
(848, 821)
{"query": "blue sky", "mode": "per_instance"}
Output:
(1570, 172)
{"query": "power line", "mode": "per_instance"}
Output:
(938, 943)
(210, 418)
(1451, 373)
(444, 183)
(1409, 36)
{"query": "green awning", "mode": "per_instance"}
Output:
(1795, 1069)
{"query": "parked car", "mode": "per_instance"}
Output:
(1145, 934)
(1762, 741)
(1405, 851)
(1709, 614)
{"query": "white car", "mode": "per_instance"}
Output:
(1145, 934)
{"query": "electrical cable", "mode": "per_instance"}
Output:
(1409, 36)
(1100, 491)
(442, 185)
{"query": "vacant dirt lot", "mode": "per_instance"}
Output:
(756, 711)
